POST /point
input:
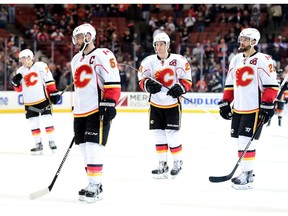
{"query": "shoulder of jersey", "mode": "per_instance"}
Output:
(40, 64)
(150, 57)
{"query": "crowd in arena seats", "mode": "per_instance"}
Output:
(205, 34)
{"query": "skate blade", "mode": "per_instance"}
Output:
(53, 151)
(174, 176)
(94, 199)
(37, 153)
(242, 187)
(160, 176)
(82, 198)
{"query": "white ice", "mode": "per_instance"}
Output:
(127, 182)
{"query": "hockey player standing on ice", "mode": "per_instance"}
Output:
(35, 81)
(282, 97)
(166, 77)
(251, 83)
(97, 91)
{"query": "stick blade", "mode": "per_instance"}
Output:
(216, 179)
(39, 193)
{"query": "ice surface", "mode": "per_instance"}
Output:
(127, 182)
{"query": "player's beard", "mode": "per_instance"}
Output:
(244, 49)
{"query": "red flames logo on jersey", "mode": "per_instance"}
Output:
(244, 76)
(31, 79)
(165, 76)
(80, 73)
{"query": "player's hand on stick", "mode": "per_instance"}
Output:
(176, 91)
(225, 110)
(107, 110)
(152, 87)
(55, 97)
(266, 111)
(16, 80)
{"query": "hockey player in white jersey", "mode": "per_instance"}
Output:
(35, 81)
(166, 77)
(252, 86)
(97, 91)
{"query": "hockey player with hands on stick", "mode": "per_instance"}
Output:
(97, 91)
(251, 76)
(152, 87)
(166, 77)
(35, 81)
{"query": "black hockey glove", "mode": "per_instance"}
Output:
(107, 110)
(176, 91)
(55, 97)
(152, 87)
(266, 111)
(16, 80)
(225, 110)
(286, 100)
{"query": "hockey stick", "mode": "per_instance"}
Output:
(216, 179)
(34, 109)
(45, 191)
(151, 78)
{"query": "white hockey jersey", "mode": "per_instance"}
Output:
(36, 80)
(169, 71)
(250, 81)
(96, 76)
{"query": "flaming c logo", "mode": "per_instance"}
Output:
(244, 76)
(80, 73)
(165, 76)
(31, 79)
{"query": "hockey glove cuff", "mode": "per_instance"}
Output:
(107, 110)
(176, 91)
(225, 110)
(152, 87)
(16, 80)
(266, 111)
(55, 97)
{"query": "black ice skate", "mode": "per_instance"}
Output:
(162, 171)
(37, 148)
(52, 145)
(244, 181)
(177, 167)
(93, 193)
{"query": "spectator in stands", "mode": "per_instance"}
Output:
(215, 84)
(200, 21)
(145, 10)
(197, 52)
(221, 49)
(189, 22)
(232, 54)
(11, 12)
(57, 36)
(255, 15)
(276, 12)
(222, 18)
(110, 29)
(177, 10)
(201, 85)
(3, 17)
(42, 35)
(114, 45)
(170, 24)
